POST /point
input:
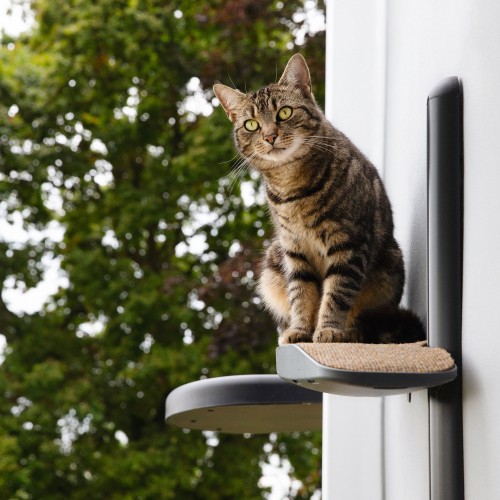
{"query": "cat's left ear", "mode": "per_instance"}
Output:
(231, 100)
(297, 74)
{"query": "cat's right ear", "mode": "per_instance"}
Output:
(230, 99)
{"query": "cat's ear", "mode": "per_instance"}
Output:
(296, 74)
(230, 99)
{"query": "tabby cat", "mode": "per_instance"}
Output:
(333, 272)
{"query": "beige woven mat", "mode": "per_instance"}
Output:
(393, 358)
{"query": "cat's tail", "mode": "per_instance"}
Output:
(389, 325)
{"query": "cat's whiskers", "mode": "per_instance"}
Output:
(320, 145)
(321, 139)
(232, 159)
(237, 172)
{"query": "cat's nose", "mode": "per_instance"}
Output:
(270, 138)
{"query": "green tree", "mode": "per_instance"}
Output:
(101, 135)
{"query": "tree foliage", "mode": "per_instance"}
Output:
(103, 134)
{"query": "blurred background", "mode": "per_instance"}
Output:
(130, 245)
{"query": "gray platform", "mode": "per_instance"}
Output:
(255, 404)
(295, 365)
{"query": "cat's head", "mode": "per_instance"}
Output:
(273, 124)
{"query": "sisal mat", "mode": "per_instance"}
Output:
(392, 358)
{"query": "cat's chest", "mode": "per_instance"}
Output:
(295, 216)
(298, 238)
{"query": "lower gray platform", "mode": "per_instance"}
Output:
(237, 404)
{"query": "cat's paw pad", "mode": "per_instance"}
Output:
(294, 335)
(329, 335)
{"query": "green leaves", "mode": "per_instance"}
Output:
(103, 137)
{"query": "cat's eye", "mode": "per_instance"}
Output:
(252, 125)
(284, 113)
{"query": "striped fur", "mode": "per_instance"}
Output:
(333, 259)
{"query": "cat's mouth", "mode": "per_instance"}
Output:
(278, 152)
(275, 152)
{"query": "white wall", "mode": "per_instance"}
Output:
(427, 40)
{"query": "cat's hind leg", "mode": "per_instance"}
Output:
(272, 287)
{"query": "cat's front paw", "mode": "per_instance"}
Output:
(329, 335)
(336, 335)
(294, 335)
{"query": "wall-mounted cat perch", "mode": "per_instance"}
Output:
(260, 404)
